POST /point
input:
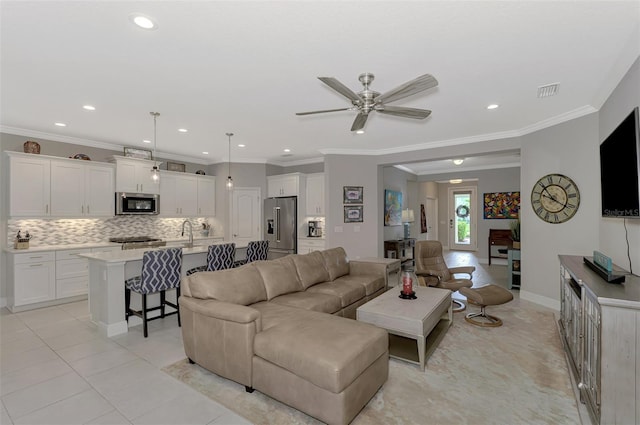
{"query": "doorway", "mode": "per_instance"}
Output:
(432, 219)
(462, 218)
(245, 215)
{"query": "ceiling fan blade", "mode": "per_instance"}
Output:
(341, 88)
(409, 88)
(359, 122)
(322, 112)
(400, 111)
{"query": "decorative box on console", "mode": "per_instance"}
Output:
(21, 244)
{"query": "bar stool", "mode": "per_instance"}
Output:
(219, 257)
(160, 272)
(256, 251)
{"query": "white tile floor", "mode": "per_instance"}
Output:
(55, 368)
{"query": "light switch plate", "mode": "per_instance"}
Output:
(337, 229)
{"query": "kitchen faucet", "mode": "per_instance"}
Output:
(190, 244)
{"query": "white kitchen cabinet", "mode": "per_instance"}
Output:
(72, 273)
(33, 278)
(178, 194)
(283, 185)
(305, 246)
(315, 194)
(206, 196)
(81, 190)
(134, 176)
(29, 185)
(59, 187)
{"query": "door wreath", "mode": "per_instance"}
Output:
(462, 211)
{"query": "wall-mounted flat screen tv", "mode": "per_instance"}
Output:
(620, 169)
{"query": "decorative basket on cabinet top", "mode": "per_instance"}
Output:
(31, 147)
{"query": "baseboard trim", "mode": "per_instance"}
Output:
(539, 299)
(3, 302)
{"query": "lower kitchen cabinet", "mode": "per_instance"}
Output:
(34, 278)
(72, 273)
(48, 277)
(306, 246)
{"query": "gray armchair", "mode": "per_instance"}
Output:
(432, 270)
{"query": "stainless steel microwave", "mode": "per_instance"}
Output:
(137, 203)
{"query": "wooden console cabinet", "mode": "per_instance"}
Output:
(600, 330)
(499, 237)
(403, 249)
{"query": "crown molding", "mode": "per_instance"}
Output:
(297, 162)
(91, 143)
(558, 119)
(459, 170)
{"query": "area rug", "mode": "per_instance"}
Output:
(514, 374)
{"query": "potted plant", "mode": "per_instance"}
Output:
(515, 233)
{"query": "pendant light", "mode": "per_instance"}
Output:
(229, 179)
(155, 172)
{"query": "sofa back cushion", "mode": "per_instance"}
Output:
(238, 286)
(311, 269)
(279, 276)
(336, 262)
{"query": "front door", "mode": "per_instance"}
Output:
(246, 215)
(462, 218)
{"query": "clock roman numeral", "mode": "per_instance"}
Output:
(572, 195)
(539, 210)
(550, 179)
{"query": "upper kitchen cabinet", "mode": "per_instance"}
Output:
(81, 189)
(134, 176)
(206, 196)
(315, 194)
(284, 185)
(45, 186)
(29, 185)
(178, 194)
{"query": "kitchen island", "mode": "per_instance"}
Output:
(107, 273)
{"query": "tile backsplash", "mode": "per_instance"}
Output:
(89, 230)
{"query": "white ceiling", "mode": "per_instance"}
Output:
(246, 67)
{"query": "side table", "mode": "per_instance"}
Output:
(393, 266)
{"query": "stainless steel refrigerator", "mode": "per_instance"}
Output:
(281, 225)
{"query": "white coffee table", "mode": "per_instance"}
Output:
(425, 320)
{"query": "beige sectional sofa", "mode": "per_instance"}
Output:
(283, 327)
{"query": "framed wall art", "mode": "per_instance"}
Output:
(176, 166)
(392, 207)
(352, 195)
(138, 153)
(502, 205)
(353, 214)
(423, 220)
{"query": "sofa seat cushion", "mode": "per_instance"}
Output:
(279, 276)
(310, 268)
(328, 351)
(348, 292)
(310, 301)
(371, 283)
(273, 314)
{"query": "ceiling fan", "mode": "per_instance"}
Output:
(368, 100)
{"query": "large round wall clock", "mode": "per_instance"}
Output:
(555, 198)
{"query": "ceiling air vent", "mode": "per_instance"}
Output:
(548, 90)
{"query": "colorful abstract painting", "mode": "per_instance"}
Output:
(392, 208)
(502, 205)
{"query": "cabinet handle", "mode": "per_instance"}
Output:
(82, 210)
(88, 209)
(35, 265)
(46, 208)
(137, 187)
(177, 210)
(38, 256)
(141, 187)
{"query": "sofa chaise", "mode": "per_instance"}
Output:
(284, 327)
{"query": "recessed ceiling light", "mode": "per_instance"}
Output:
(455, 181)
(287, 150)
(493, 106)
(182, 130)
(146, 141)
(89, 107)
(60, 124)
(205, 153)
(360, 132)
(458, 161)
(143, 21)
(241, 145)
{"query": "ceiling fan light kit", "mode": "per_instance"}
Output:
(368, 100)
